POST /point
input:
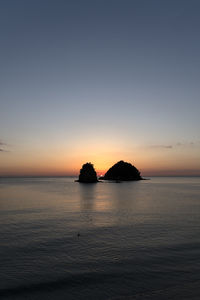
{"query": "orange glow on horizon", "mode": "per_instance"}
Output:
(63, 162)
(66, 169)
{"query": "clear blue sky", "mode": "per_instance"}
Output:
(101, 81)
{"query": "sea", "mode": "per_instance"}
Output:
(60, 239)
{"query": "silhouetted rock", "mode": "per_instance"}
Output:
(87, 174)
(122, 171)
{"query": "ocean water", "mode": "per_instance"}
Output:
(132, 240)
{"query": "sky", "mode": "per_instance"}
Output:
(99, 81)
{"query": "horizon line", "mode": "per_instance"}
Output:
(64, 176)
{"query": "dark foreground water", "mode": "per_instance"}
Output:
(138, 240)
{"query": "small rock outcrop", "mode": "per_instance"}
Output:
(87, 174)
(122, 171)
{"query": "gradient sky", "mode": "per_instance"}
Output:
(99, 81)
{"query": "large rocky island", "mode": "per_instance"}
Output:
(87, 174)
(122, 171)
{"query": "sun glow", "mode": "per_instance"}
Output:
(65, 160)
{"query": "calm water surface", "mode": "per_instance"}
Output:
(138, 240)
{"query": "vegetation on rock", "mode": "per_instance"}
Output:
(87, 174)
(122, 171)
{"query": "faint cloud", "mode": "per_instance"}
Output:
(160, 147)
(4, 145)
(172, 146)
(178, 144)
(187, 144)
